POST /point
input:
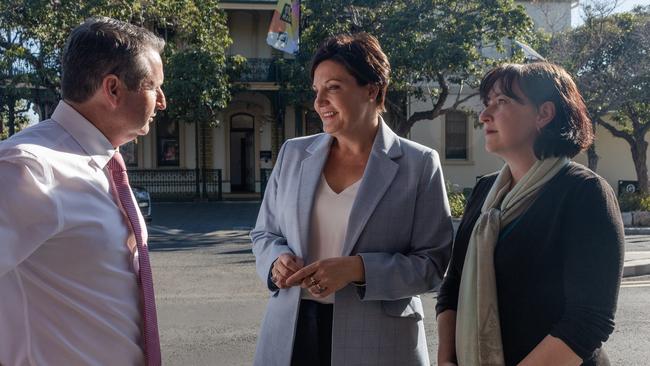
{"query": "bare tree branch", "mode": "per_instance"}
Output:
(616, 132)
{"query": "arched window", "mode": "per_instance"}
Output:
(242, 121)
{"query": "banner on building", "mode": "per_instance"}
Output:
(284, 32)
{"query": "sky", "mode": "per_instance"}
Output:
(624, 5)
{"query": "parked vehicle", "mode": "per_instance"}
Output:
(144, 202)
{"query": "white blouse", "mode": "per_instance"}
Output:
(328, 226)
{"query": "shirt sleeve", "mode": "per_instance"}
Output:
(592, 265)
(30, 213)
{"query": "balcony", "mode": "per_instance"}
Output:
(259, 70)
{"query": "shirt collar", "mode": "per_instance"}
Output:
(92, 140)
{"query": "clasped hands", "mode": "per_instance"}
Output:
(321, 278)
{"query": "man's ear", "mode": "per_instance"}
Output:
(545, 114)
(111, 89)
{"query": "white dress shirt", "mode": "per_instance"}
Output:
(329, 224)
(69, 292)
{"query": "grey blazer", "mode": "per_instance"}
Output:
(399, 224)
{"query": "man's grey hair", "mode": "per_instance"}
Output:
(102, 46)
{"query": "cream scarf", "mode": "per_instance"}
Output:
(478, 331)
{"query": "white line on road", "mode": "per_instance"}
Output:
(635, 284)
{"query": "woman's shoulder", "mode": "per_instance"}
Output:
(302, 142)
(482, 187)
(412, 146)
(580, 177)
(485, 182)
(417, 152)
(298, 146)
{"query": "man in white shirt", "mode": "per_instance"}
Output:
(71, 273)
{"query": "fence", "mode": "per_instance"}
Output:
(178, 184)
(265, 174)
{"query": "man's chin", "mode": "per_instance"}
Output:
(144, 130)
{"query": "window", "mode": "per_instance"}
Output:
(168, 143)
(129, 152)
(456, 135)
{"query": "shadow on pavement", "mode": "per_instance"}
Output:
(191, 225)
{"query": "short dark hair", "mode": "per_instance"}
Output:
(571, 130)
(102, 46)
(362, 57)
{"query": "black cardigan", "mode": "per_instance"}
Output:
(558, 267)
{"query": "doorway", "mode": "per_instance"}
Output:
(242, 153)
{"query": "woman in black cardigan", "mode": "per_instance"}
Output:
(538, 255)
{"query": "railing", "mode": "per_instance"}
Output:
(260, 70)
(178, 184)
(265, 174)
(213, 184)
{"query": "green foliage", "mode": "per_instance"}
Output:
(609, 57)
(32, 34)
(425, 41)
(634, 202)
(193, 94)
(457, 200)
(20, 121)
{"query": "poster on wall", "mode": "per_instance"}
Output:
(168, 152)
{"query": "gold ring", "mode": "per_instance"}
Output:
(312, 281)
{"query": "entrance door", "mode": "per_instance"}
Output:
(242, 153)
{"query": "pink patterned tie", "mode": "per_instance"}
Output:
(152, 356)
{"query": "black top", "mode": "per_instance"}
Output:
(558, 266)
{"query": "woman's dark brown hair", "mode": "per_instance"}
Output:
(571, 130)
(362, 57)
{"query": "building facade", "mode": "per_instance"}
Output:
(241, 150)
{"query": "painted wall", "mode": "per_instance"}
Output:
(461, 173)
(615, 161)
(248, 29)
(550, 16)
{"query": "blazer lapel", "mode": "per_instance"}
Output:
(379, 174)
(310, 172)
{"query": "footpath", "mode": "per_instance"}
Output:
(637, 252)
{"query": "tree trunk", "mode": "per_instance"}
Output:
(11, 123)
(639, 154)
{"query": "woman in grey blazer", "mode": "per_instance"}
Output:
(354, 225)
